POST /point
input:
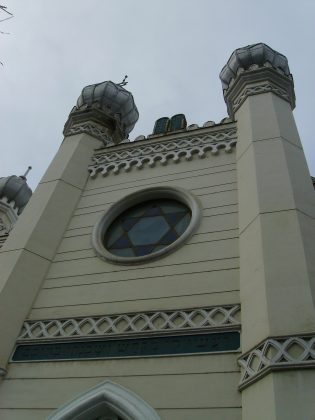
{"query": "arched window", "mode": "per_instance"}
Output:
(106, 401)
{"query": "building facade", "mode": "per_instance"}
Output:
(171, 277)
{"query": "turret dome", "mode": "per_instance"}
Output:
(114, 100)
(15, 189)
(253, 55)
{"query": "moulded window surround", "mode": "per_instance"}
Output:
(106, 401)
(155, 193)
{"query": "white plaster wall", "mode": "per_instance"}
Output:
(203, 272)
(185, 387)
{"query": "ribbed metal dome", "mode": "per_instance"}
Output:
(15, 189)
(116, 101)
(245, 57)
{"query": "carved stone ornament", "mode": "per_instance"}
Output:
(3, 228)
(4, 232)
(3, 239)
(94, 122)
(152, 151)
(212, 318)
(295, 352)
(260, 88)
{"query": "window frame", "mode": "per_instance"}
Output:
(160, 192)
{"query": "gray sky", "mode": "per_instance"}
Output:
(172, 51)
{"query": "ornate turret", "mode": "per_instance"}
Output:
(104, 110)
(248, 67)
(14, 195)
(14, 190)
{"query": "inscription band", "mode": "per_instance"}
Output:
(135, 347)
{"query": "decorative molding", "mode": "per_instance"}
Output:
(3, 238)
(296, 352)
(106, 400)
(99, 123)
(3, 228)
(211, 318)
(163, 151)
(9, 217)
(257, 89)
(10, 211)
(93, 130)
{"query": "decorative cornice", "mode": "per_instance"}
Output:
(257, 89)
(295, 352)
(152, 151)
(93, 130)
(95, 122)
(212, 318)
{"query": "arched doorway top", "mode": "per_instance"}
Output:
(107, 397)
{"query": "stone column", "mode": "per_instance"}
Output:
(277, 232)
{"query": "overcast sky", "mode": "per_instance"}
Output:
(171, 50)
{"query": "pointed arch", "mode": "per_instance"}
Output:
(105, 398)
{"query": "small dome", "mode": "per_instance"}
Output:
(256, 54)
(116, 101)
(14, 188)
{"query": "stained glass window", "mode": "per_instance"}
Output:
(147, 227)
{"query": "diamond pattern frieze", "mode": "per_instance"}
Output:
(277, 353)
(147, 322)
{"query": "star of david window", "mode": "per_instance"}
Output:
(147, 227)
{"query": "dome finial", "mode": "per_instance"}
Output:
(123, 83)
(26, 172)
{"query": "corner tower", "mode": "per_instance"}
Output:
(105, 113)
(276, 234)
